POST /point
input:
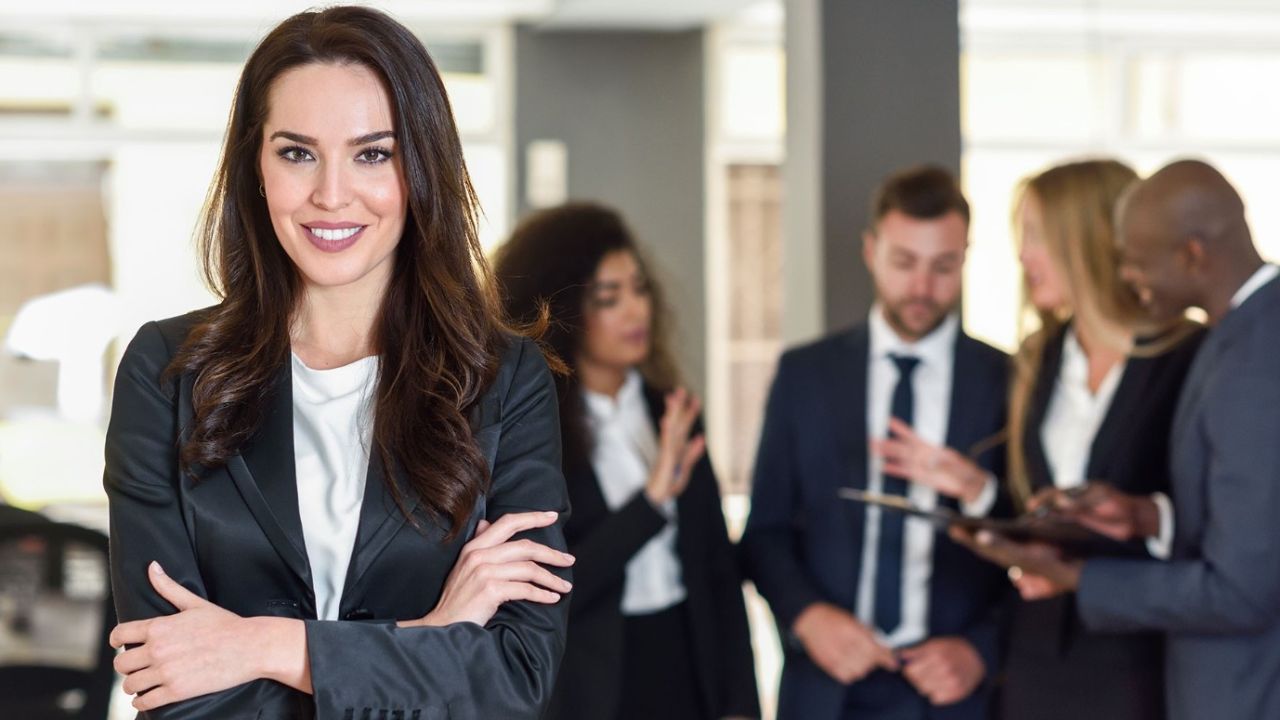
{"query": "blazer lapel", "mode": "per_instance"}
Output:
(381, 518)
(265, 475)
(1111, 433)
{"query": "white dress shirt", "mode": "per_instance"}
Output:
(1260, 277)
(931, 390)
(1071, 424)
(332, 430)
(625, 448)
(1074, 414)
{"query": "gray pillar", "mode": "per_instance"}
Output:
(875, 86)
(629, 108)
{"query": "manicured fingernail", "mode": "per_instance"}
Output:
(569, 557)
(155, 568)
(985, 537)
(550, 513)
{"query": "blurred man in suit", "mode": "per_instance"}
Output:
(1185, 243)
(883, 618)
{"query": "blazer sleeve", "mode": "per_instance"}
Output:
(739, 695)
(141, 479)
(771, 543)
(1233, 584)
(603, 550)
(505, 669)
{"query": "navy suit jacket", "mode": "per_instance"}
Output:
(1218, 598)
(803, 544)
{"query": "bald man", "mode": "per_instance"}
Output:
(1185, 243)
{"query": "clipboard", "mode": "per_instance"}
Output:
(1072, 537)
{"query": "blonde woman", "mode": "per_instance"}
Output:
(1095, 389)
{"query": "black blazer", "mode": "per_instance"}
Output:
(603, 542)
(1051, 655)
(804, 545)
(235, 537)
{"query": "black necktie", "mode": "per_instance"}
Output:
(888, 595)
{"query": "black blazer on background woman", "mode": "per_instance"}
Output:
(1056, 669)
(234, 536)
(603, 542)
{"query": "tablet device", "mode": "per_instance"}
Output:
(1072, 537)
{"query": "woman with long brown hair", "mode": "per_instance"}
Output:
(657, 625)
(315, 484)
(1095, 388)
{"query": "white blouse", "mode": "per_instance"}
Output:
(625, 448)
(1075, 414)
(1071, 424)
(332, 431)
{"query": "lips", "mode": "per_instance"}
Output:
(333, 237)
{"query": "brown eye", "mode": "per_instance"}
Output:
(374, 156)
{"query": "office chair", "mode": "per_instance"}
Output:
(56, 613)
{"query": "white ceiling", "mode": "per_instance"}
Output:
(641, 13)
(668, 14)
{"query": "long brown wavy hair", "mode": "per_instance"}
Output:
(548, 265)
(439, 333)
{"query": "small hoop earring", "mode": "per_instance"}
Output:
(262, 191)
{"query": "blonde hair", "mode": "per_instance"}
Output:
(1077, 202)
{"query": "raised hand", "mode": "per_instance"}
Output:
(907, 455)
(677, 452)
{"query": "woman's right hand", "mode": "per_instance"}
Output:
(493, 569)
(677, 452)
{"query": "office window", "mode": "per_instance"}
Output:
(108, 140)
(1142, 82)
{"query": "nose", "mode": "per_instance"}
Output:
(636, 305)
(922, 284)
(332, 190)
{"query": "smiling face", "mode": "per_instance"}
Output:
(1156, 262)
(334, 188)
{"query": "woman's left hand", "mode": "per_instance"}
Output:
(199, 650)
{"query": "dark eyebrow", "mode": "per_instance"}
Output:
(308, 140)
(372, 137)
